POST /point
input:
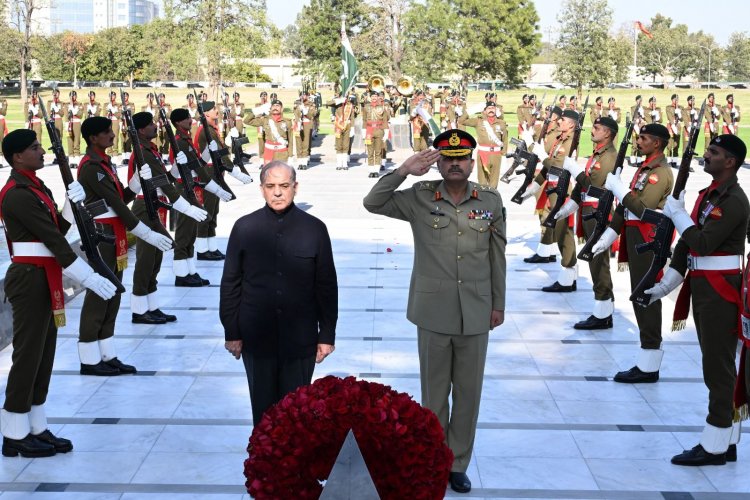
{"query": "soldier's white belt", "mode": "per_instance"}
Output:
(276, 147)
(36, 120)
(306, 120)
(31, 249)
(631, 216)
(490, 149)
(714, 262)
(107, 215)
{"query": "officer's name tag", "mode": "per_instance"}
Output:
(746, 327)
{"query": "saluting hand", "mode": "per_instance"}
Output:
(420, 163)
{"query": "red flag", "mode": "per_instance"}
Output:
(643, 29)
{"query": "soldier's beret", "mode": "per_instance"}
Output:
(273, 95)
(150, 95)
(94, 126)
(652, 99)
(73, 93)
(56, 91)
(572, 114)
(573, 97)
(489, 104)
(179, 114)
(275, 102)
(656, 129)
(126, 94)
(730, 95)
(491, 95)
(638, 98)
(691, 98)
(732, 145)
(599, 99)
(674, 96)
(454, 142)
(607, 122)
(710, 95)
(17, 142)
(92, 93)
(189, 96)
(525, 96)
(264, 94)
(557, 110)
(112, 93)
(532, 96)
(208, 106)
(142, 119)
(611, 99)
(161, 94)
(236, 94)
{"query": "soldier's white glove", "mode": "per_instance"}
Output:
(540, 152)
(261, 110)
(458, 110)
(735, 113)
(76, 192)
(568, 208)
(181, 158)
(82, 273)
(675, 210)
(669, 282)
(339, 101)
(528, 137)
(715, 110)
(213, 146)
(214, 188)
(183, 206)
(234, 133)
(614, 183)
(572, 166)
(134, 183)
(531, 190)
(613, 114)
(608, 237)
(146, 172)
(153, 238)
(240, 175)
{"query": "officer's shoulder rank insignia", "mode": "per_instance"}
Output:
(99, 176)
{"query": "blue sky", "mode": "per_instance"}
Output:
(717, 17)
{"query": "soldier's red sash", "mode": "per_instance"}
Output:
(52, 268)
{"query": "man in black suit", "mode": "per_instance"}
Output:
(279, 293)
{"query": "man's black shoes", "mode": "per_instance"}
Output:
(636, 376)
(459, 482)
(148, 318)
(210, 255)
(120, 366)
(169, 318)
(556, 287)
(28, 447)
(594, 323)
(538, 259)
(101, 369)
(189, 280)
(61, 445)
(699, 456)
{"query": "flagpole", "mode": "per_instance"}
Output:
(635, 54)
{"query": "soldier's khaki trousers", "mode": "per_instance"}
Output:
(37, 128)
(115, 149)
(563, 235)
(673, 146)
(147, 257)
(489, 174)
(302, 141)
(98, 315)
(419, 143)
(375, 148)
(453, 363)
(599, 265)
(708, 136)
(342, 141)
(648, 318)
(207, 228)
(74, 143)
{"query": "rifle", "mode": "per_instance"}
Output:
(148, 186)
(517, 159)
(529, 161)
(230, 123)
(606, 198)
(219, 168)
(547, 119)
(84, 215)
(563, 182)
(186, 175)
(663, 225)
(539, 106)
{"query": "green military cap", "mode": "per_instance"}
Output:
(208, 106)
(179, 114)
(607, 122)
(17, 142)
(142, 119)
(572, 114)
(95, 125)
(454, 142)
(556, 110)
(656, 129)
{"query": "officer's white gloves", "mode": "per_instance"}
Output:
(540, 152)
(153, 238)
(263, 109)
(614, 183)
(528, 137)
(234, 133)
(669, 282)
(568, 208)
(572, 166)
(213, 146)
(184, 207)
(213, 188)
(531, 190)
(76, 192)
(135, 182)
(181, 158)
(82, 273)
(608, 237)
(675, 210)
(240, 175)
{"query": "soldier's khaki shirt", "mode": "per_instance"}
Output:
(500, 129)
(283, 127)
(675, 119)
(602, 162)
(614, 113)
(650, 117)
(726, 115)
(651, 185)
(459, 262)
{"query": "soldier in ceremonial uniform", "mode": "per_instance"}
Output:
(730, 115)
(711, 250)
(186, 228)
(638, 115)
(93, 108)
(691, 116)
(457, 293)
(4, 128)
(192, 109)
(713, 121)
(653, 113)
(651, 185)
(613, 111)
(375, 120)
(492, 133)
(420, 130)
(74, 113)
(598, 110)
(151, 105)
(55, 109)
(114, 113)
(343, 120)
(303, 118)
(573, 103)
(127, 146)
(554, 156)
(98, 177)
(277, 130)
(33, 115)
(674, 126)
(40, 256)
(144, 301)
(162, 142)
(598, 166)
(237, 112)
(261, 137)
(523, 113)
(562, 102)
(454, 112)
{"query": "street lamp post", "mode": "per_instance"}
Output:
(710, 50)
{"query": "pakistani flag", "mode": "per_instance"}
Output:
(350, 70)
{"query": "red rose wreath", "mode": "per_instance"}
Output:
(296, 443)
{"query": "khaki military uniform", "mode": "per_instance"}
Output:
(113, 111)
(33, 115)
(237, 111)
(675, 117)
(162, 141)
(653, 115)
(261, 133)
(278, 136)
(55, 110)
(547, 238)
(720, 218)
(712, 126)
(420, 131)
(93, 108)
(491, 147)
(207, 228)
(303, 123)
(730, 115)
(615, 114)
(376, 122)
(525, 118)
(457, 281)
(74, 112)
(651, 185)
(597, 112)
(638, 115)
(690, 116)
(342, 123)
(127, 146)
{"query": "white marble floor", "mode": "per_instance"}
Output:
(552, 423)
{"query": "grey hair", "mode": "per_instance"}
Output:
(276, 164)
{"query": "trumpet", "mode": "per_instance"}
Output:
(376, 83)
(405, 86)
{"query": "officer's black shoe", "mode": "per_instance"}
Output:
(218, 254)
(203, 281)
(28, 447)
(460, 482)
(594, 323)
(101, 369)
(121, 367)
(190, 280)
(556, 287)
(538, 259)
(636, 376)
(169, 318)
(148, 318)
(61, 445)
(699, 456)
(208, 255)
(732, 453)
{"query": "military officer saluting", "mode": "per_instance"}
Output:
(492, 132)
(40, 256)
(730, 114)
(457, 292)
(674, 125)
(651, 185)
(598, 166)
(613, 111)
(711, 250)
(277, 130)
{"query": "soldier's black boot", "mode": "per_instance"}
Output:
(636, 376)
(538, 259)
(61, 445)
(732, 453)
(28, 447)
(699, 456)
(120, 366)
(101, 369)
(556, 287)
(169, 318)
(201, 280)
(594, 323)
(147, 319)
(188, 281)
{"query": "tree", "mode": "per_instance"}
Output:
(291, 42)
(696, 60)
(666, 51)
(9, 61)
(583, 49)
(23, 15)
(116, 54)
(244, 71)
(620, 50)
(737, 63)
(73, 46)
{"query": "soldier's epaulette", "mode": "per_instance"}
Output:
(427, 185)
(484, 189)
